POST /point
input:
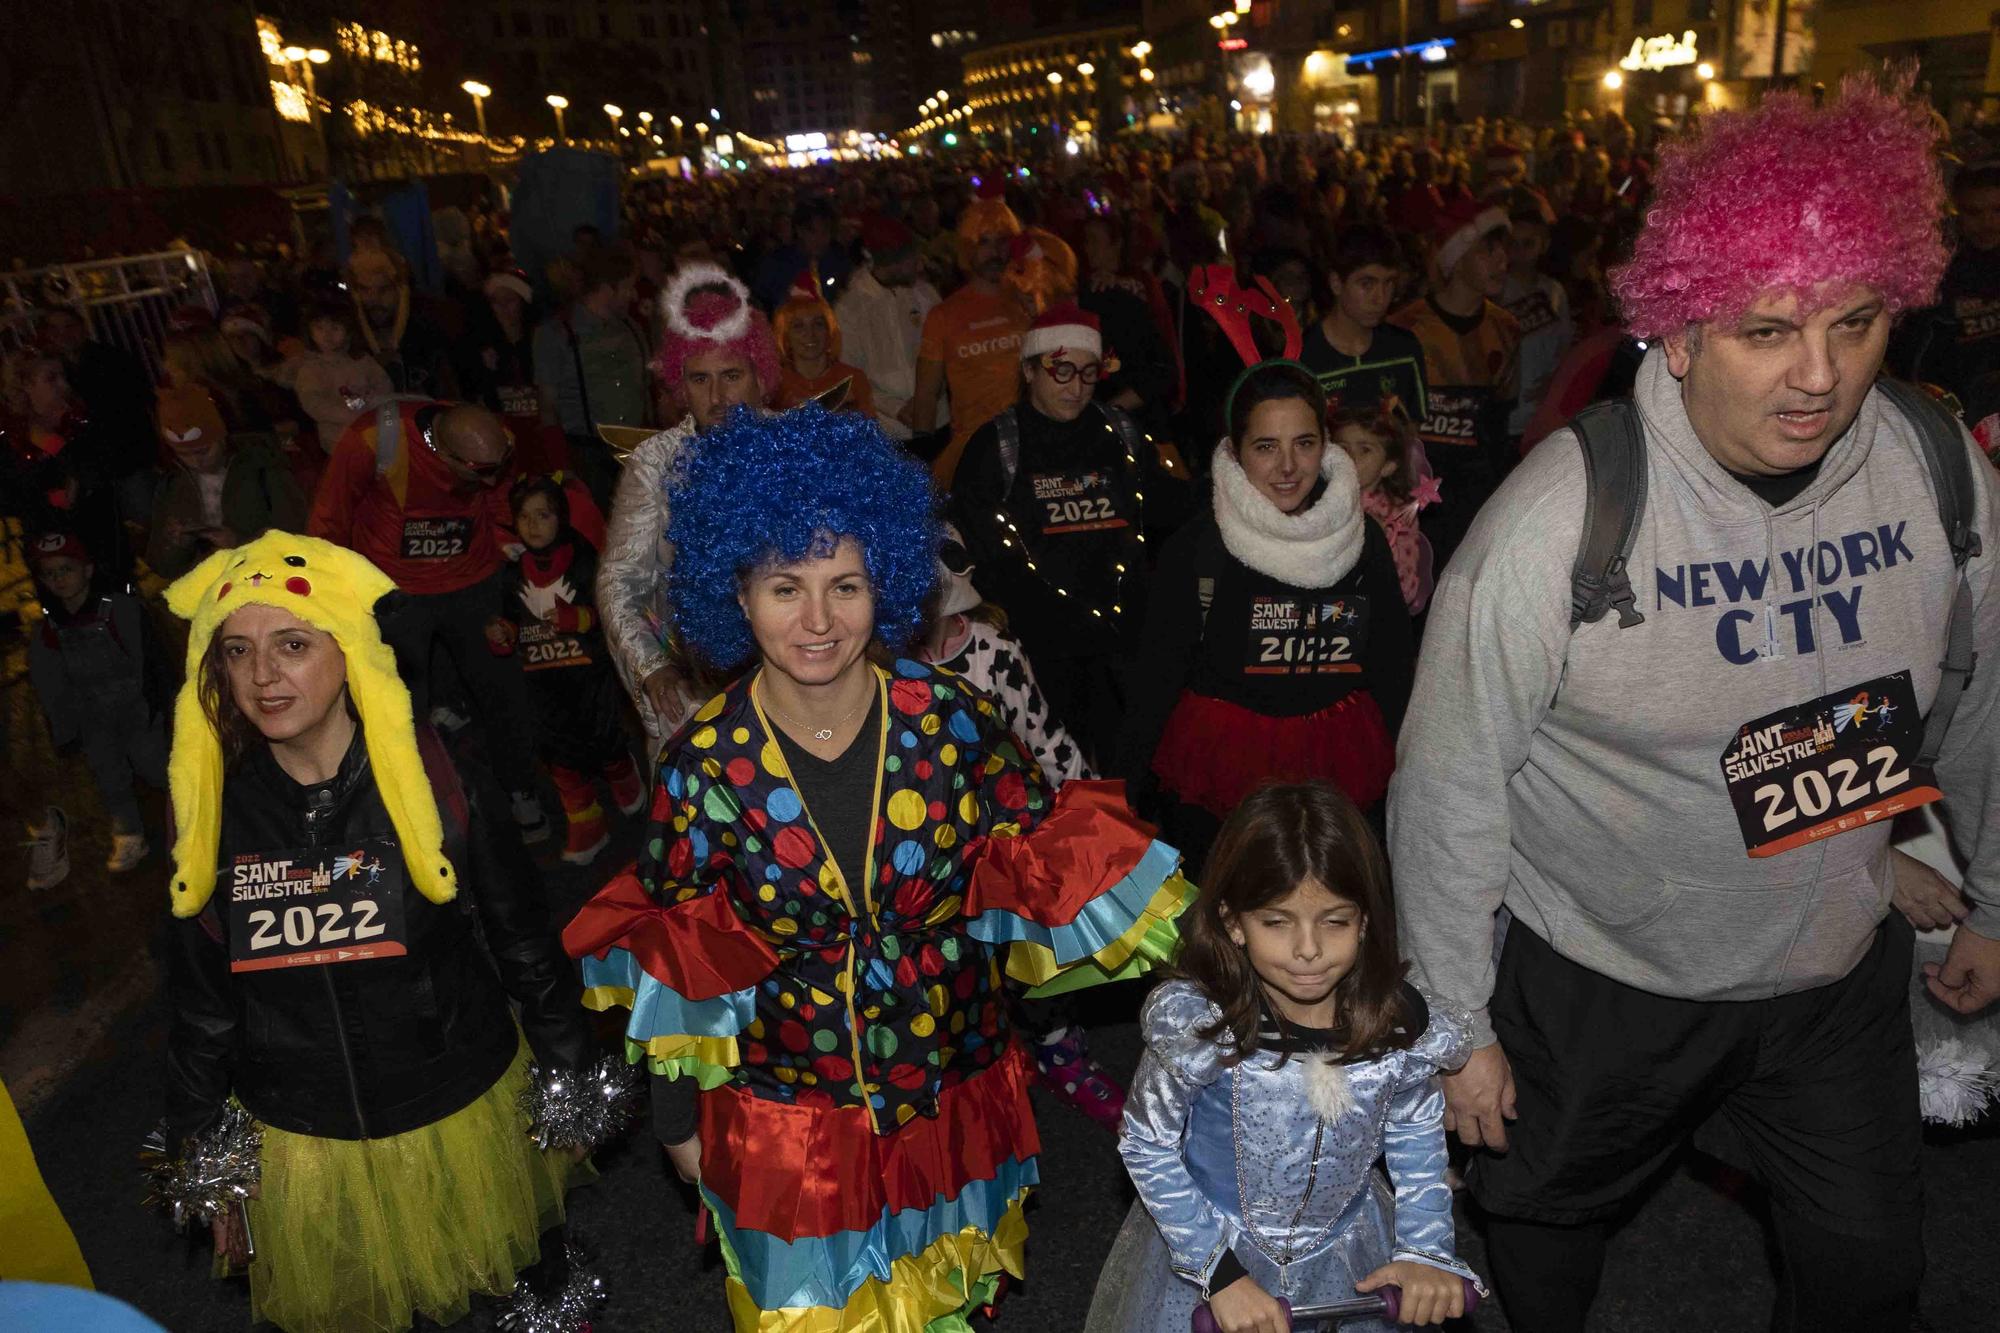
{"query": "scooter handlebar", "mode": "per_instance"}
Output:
(1387, 1303)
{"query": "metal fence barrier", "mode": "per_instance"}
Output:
(129, 301)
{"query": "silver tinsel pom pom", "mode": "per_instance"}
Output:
(568, 1311)
(1954, 1082)
(585, 1108)
(218, 1169)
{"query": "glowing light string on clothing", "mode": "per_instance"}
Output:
(1017, 542)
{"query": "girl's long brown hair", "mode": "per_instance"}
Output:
(1281, 836)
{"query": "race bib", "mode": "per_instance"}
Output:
(519, 400)
(1077, 502)
(1306, 636)
(1453, 416)
(1533, 312)
(436, 538)
(1838, 762)
(315, 905)
(541, 646)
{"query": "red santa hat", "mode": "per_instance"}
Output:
(1064, 328)
(1459, 226)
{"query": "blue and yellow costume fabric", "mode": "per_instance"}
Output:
(867, 1142)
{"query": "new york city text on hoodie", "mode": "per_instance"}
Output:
(1578, 778)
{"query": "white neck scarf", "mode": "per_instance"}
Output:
(1313, 548)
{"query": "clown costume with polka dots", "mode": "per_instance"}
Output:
(820, 944)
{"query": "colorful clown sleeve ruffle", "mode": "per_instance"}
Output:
(1089, 895)
(828, 1227)
(688, 972)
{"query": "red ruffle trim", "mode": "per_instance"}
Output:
(793, 1171)
(700, 948)
(1213, 753)
(1089, 840)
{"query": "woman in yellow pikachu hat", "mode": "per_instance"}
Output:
(350, 1102)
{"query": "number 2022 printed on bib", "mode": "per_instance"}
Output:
(1839, 762)
(315, 905)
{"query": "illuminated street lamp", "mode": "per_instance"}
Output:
(1145, 74)
(561, 104)
(646, 119)
(479, 92)
(1140, 50)
(1704, 71)
(1613, 80)
(614, 113)
(1055, 79)
(1086, 69)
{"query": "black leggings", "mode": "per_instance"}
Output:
(1547, 1275)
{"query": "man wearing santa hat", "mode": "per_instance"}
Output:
(1471, 347)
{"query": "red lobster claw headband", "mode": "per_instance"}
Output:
(1213, 288)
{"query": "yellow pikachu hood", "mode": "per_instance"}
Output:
(333, 589)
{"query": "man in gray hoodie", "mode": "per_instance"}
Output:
(1699, 938)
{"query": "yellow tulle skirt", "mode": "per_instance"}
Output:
(354, 1236)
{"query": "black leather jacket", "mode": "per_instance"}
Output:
(374, 1047)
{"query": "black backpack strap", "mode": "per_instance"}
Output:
(1614, 470)
(1951, 478)
(1128, 429)
(1007, 436)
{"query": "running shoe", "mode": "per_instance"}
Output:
(48, 850)
(1065, 1068)
(528, 816)
(128, 850)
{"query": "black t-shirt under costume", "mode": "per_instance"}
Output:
(840, 792)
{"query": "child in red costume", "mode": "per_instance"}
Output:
(550, 618)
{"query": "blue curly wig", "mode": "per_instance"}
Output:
(763, 488)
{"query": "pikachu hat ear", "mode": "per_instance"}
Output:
(335, 590)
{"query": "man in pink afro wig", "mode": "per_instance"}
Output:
(1698, 940)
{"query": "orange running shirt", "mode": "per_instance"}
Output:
(977, 337)
(1466, 370)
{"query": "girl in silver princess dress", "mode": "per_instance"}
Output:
(1286, 1057)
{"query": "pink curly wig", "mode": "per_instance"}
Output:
(707, 310)
(1791, 198)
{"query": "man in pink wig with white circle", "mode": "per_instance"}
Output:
(1700, 945)
(717, 353)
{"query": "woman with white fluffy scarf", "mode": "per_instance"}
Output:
(1277, 645)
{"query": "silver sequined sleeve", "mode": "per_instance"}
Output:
(1177, 1065)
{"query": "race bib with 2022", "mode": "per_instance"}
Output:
(314, 905)
(1302, 635)
(1078, 502)
(1815, 769)
(436, 538)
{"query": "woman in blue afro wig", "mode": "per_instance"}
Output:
(778, 489)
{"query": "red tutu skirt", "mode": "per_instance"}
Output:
(1214, 753)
